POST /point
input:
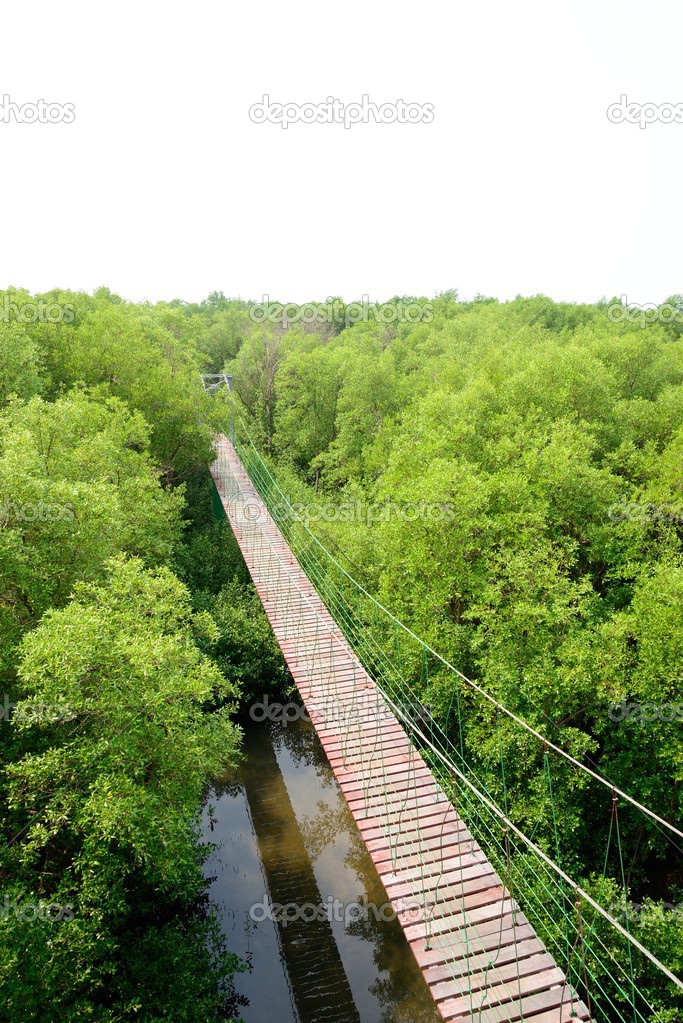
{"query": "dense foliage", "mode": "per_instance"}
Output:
(538, 448)
(549, 439)
(114, 710)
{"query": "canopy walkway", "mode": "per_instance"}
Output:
(499, 930)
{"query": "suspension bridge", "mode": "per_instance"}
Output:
(498, 928)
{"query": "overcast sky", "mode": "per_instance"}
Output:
(162, 186)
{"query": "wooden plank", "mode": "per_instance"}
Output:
(488, 982)
(469, 966)
(546, 987)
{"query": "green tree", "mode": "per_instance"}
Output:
(77, 485)
(103, 810)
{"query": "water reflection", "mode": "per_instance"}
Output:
(283, 828)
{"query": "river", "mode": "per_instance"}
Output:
(286, 838)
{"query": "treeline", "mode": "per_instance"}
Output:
(128, 634)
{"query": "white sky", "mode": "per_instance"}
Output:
(162, 187)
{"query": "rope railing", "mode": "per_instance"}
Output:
(268, 487)
(599, 955)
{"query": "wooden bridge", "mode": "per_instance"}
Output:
(478, 953)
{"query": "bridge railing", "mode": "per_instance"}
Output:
(504, 781)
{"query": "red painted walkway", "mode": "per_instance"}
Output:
(479, 955)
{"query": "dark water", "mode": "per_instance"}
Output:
(285, 835)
